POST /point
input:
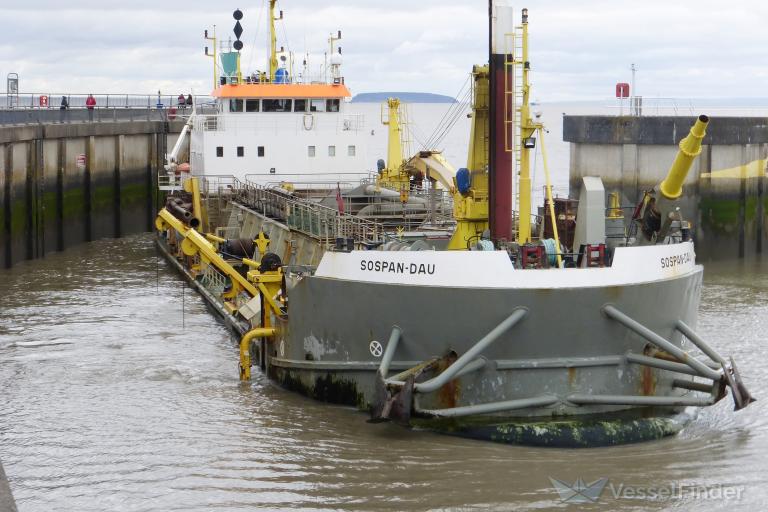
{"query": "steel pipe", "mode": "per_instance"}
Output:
(472, 366)
(245, 348)
(509, 405)
(661, 364)
(579, 399)
(700, 343)
(389, 352)
(693, 386)
(635, 326)
(450, 373)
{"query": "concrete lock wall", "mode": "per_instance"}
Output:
(63, 184)
(723, 194)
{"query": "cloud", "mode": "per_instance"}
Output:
(578, 49)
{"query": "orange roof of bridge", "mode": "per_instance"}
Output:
(282, 91)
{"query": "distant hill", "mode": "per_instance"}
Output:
(408, 97)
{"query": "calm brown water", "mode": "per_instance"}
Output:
(108, 403)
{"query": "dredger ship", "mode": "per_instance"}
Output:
(497, 332)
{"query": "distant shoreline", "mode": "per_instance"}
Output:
(408, 97)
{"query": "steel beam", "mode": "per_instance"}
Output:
(580, 399)
(661, 364)
(693, 386)
(509, 405)
(389, 352)
(451, 372)
(700, 343)
(641, 330)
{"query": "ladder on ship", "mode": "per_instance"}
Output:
(514, 96)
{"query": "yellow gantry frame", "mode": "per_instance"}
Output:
(471, 209)
(394, 174)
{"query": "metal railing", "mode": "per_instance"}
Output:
(657, 106)
(53, 101)
(320, 222)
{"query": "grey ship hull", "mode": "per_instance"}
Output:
(566, 346)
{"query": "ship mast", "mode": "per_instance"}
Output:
(501, 114)
(273, 40)
(527, 142)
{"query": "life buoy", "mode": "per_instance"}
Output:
(311, 119)
(172, 113)
(43, 101)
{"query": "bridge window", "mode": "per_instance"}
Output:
(331, 150)
(317, 106)
(277, 105)
(332, 105)
(350, 150)
(300, 106)
(260, 151)
(235, 105)
(240, 151)
(251, 105)
(311, 151)
(219, 151)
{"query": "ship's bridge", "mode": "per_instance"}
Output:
(268, 97)
(254, 136)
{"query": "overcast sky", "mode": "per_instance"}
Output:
(579, 48)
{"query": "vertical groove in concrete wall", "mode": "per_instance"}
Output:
(29, 201)
(62, 153)
(119, 149)
(88, 187)
(6, 226)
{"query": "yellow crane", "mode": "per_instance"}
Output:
(258, 283)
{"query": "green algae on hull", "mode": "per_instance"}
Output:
(563, 433)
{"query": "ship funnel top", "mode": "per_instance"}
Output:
(502, 25)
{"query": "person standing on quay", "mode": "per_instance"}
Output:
(63, 108)
(90, 104)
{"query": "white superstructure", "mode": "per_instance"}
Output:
(281, 132)
(275, 126)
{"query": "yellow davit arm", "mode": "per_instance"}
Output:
(690, 148)
(195, 243)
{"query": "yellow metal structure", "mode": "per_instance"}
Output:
(471, 209)
(270, 284)
(272, 41)
(266, 285)
(550, 200)
(245, 348)
(690, 148)
(614, 207)
(527, 129)
(194, 244)
(262, 243)
(394, 175)
(192, 186)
